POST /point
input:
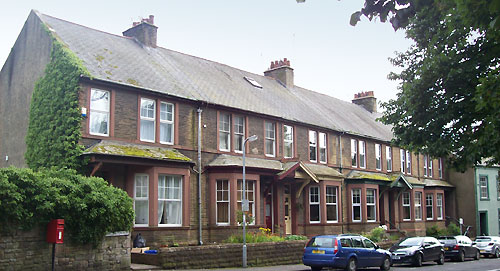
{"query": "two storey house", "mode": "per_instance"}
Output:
(169, 129)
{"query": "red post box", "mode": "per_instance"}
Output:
(55, 231)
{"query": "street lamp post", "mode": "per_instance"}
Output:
(244, 203)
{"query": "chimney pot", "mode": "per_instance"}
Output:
(152, 19)
(367, 100)
(281, 71)
(144, 31)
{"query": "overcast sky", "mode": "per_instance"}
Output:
(327, 54)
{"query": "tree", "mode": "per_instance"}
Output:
(449, 99)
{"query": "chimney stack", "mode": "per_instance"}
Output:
(281, 70)
(367, 100)
(144, 31)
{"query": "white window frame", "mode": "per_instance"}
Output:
(483, 187)
(402, 155)
(439, 205)
(166, 121)
(323, 142)
(149, 119)
(429, 202)
(378, 157)
(440, 168)
(388, 157)
(239, 133)
(406, 200)
(93, 111)
(371, 204)
(217, 201)
(354, 153)
(425, 165)
(408, 162)
(270, 136)
(251, 201)
(362, 154)
(225, 134)
(288, 140)
(334, 197)
(429, 166)
(356, 204)
(313, 144)
(166, 199)
(314, 203)
(418, 205)
(146, 199)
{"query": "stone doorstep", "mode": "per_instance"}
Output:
(137, 266)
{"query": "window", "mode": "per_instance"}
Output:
(439, 206)
(440, 168)
(354, 152)
(239, 133)
(331, 204)
(371, 208)
(249, 195)
(148, 112)
(403, 160)
(408, 162)
(483, 187)
(170, 200)
(362, 154)
(253, 82)
(425, 165)
(429, 206)
(270, 137)
(222, 202)
(322, 148)
(356, 205)
(288, 141)
(388, 157)
(378, 156)
(141, 202)
(368, 243)
(313, 145)
(430, 166)
(224, 132)
(418, 205)
(166, 123)
(406, 206)
(99, 112)
(314, 216)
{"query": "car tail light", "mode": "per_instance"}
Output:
(336, 246)
(456, 247)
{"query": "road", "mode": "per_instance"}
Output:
(485, 264)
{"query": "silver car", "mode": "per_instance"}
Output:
(488, 245)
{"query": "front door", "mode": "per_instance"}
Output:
(483, 223)
(288, 210)
(269, 213)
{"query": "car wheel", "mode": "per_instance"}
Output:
(478, 255)
(418, 260)
(386, 265)
(497, 253)
(352, 265)
(440, 261)
(461, 256)
(316, 268)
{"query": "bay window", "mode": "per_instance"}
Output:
(439, 206)
(249, 195)
(222, 202)
(141, 199)
(170, 200)
(418, 205)
(356, 205)
(429, 206)
(406, 206)
(314, 209)
(331, 204)
(371, 207)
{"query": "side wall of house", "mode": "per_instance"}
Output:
(466, 202)
(24, 66)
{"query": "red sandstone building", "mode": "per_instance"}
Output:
(320, 165)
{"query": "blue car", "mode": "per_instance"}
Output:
(345, 251)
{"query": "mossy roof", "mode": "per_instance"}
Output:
(135, 150)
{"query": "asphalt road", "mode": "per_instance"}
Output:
(484, 264)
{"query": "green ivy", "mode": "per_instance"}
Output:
(90, 207)
(55, 119)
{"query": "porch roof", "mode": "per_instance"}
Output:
(122, 149)
(441, 183)
(225, 160)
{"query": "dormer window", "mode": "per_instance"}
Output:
(253, 82)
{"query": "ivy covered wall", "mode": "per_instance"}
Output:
(55, 119)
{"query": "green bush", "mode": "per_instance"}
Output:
(295, 237)
(377, 234)
(252, 237)
(453, 230)
(435, 231)
(90, 207)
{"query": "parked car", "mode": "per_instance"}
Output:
(459, 247)
(488, 245)
(345, 251)
(416, 250)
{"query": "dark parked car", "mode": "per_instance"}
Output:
(488, 245)
(459, 247)
(416, 250)
(345, 251)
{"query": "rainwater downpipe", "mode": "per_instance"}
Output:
(340, 168)
(200, 240)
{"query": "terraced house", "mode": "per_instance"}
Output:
(169, 128)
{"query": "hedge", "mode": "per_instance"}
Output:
(90, 207)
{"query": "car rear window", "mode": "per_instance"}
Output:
(321, 242)
(483, 239)
(447, 240)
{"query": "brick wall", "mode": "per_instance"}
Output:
(226, 255)
(28, 250)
